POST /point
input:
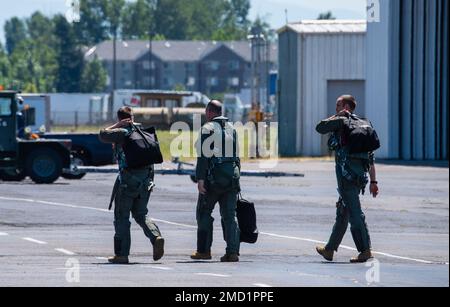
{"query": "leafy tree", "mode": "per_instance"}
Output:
(34, 63)
(69, 57)
(240, 9)
(138, 19)
(172, 19)
(235, 23)
(4, 68)
(92, 28)
(205, 17)
(15, 32)
(326, 16)
(40, 28)
(94, 77)
(262, 26)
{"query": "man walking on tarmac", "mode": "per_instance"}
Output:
(218, 175)
(131, 193)
(351, 172)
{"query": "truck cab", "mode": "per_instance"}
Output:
(42, 160)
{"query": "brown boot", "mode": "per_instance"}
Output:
(230, 258)
(201, 256)
(158, 249)
(363, 257)
(118, 260)
(327, 254)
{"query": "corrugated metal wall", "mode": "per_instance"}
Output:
(326, 57)
(419, 75)
(287, 93)
(407, 79)
(378, 80)
(307, 62)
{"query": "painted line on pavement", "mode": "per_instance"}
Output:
(35, 241)
(65, 251)
(213, 275)
(101, 258)
(194, 227)
(4, 234)
(162, 268)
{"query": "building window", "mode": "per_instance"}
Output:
(168, 81)
(213, 81)
(212, 65)
(5, 107)
(167, 66)
(152, 103)
(149, 81)
(234, 82)
(189, 66)
(147, 65)
(234, 65)
(190, 81)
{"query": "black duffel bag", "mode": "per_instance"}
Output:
(361, 136)
(142, 149)
(246, 215)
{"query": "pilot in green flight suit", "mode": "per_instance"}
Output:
(218, 173)
(351, 172)
(131, 194)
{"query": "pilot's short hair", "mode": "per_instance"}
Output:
(350, 101)
(215, 106)
(125, 113)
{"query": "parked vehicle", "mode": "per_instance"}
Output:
(42, 159)
(233, 108)
(86, 149)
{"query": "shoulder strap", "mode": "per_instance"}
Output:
(141, 134)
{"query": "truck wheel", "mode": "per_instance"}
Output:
(44, 166)
(12, 175)
(76, 161)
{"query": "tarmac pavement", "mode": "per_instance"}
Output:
(48, 231)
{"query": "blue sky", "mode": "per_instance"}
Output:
(272, 10)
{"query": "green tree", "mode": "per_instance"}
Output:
(138, 19)
(4, 68)
(40, 28)
(326, 16)
(240, 9)
(235, 23)
(172, 19)
(69, 57)
(34, 63)
(92, 28)
(15, 32)
(94, 77)
(261, 25)
(206, 17)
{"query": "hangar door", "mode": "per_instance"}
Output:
(337, 88)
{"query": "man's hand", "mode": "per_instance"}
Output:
(201, 187)
(122, 124)
(374, 190)
(344, 113)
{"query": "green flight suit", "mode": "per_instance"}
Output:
(219, 186)
(131, 195)
(351, 173)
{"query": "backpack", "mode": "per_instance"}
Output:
(142, 149)
(224, 171)
(360, 136)
(246, 216)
